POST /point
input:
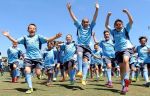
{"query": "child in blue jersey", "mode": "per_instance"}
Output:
(84, 34)
(143, 51)
(96, 61)
(69, 49)
(14, 54)
(33, 58)
(123, 47)
(59, 58)
(133, 65)
(108, 52)
(49, 62)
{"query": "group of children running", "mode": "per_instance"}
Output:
(77, 59)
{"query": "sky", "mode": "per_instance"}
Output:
(51, 17)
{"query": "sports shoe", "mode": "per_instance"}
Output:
(83, 82)
(79, 74)
(124, 90)
(109, 85)
(29, 91)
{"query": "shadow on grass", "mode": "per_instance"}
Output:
(24, 89)
(70, 86)
(107, 89)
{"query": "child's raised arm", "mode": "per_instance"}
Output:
(96, 12)
(9, 37)
(129, 16)
(54, 37)
(94, 38)
(71, 12)
(107, 21)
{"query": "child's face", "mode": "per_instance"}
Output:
(96, 47)
(50, 45)
(107, 36)
(143, 41)
(31, 30)
(85, 22)
(68, 38)
(118, 26)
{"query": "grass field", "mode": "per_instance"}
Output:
(93, 88)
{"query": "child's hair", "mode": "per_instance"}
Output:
(31, 24)
(143, 37)
(118, 20)
(69, 35)
(51, 42)
(106, 31)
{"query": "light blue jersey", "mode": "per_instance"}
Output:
(107, 48)
(69, 51)
(95, 60)
(133, 59)
(13, 54)
(32, 45)
(84, 35)
(49, 58)
(120, 38)
(143, 54)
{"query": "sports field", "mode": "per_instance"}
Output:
(93, 88)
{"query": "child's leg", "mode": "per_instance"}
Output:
(85, 70)
(145, 73)
(79, 60)
(28, 78)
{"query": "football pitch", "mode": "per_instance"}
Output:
(93, 88)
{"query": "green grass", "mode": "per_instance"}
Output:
(93, 88)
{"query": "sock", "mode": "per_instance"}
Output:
(29, 81)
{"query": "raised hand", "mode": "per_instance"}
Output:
(68, 6)
(109, 14)
(58, 35)
(97, 6)
(125, 10)
(5, 33)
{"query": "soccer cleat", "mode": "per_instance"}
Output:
(79, 74)
(83, 82)
(124, 90)
(127, 83)
(54, 79)
(29, 91)
(109, 85)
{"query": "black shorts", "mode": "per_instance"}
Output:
(33, 63)
(11, 65)
(68, 64)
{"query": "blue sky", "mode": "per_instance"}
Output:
(51, 17)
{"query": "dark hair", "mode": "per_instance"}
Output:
(106, 31)
(69, 35)
(143, 37)
(31, 24)
(118, 20)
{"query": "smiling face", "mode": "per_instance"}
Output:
(118, 25)
(85, 23)
(69, 38)
(50, 45)
(106, 35)
(143, 41)
(32, 29)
